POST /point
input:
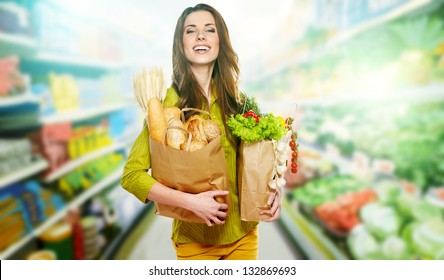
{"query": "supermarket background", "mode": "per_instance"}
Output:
(364, 80)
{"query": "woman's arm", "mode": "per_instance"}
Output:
(203, 204)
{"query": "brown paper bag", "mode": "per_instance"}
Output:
(191, 172)
(255, 170)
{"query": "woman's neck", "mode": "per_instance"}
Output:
(203, 77)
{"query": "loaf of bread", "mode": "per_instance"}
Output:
(211, 130)
(195, 127)
(176, 134)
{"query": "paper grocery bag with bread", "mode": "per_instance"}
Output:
(186, 154)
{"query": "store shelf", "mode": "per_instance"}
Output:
(71, 165)
(311, 239)
(11, 44)
(24, 120)
(18, 100)
(34, 168)
(54, 59)
(296, 57)
(404, 9)
(80, 115)
(413, 94)
(79, 200)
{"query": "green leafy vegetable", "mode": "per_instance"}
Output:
(246, 128)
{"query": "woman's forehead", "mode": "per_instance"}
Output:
(199, 18)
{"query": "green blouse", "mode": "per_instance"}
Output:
(137, 181)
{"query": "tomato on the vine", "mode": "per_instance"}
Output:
(292, 144)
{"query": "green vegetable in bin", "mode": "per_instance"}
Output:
(362, 244)
(381, 221)
(440, 254)
(407, 231)
(388, 191)
(395, 248)
(405, 203)
(424, 210)
(428, 238)
(326, 189)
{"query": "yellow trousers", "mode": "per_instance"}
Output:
(245, 248)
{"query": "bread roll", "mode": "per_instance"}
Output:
(195, 127)
(171, 113)
(196, 145)
(211, 130)
(176, 134)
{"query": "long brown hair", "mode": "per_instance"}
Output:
(225, 74)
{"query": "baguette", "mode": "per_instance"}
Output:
(156, 119)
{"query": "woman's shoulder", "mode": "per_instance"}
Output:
(171, 97)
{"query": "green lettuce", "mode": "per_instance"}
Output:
(268, 127)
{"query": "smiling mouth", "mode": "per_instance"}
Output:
(201, 48)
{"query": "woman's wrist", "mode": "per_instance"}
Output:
(165, 195)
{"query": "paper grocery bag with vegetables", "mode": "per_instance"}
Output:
(262, 158)
(188, 154)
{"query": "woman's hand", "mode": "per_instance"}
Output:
(205, 206)
(275, 201)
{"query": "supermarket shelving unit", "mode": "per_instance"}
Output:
(296, 57)
(311, 237)
(308, 236)
(113, 178)
(35, 167)
(27, 49)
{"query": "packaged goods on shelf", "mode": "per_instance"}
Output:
(86, 175)
(65, 92)
(86, 139)
(91, 244)
(15, 19)
(12, 81)
(14, 154)
(51, 142)
(14, 223)
(24, 206)
(41, 255)
(58, 238)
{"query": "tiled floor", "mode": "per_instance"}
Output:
(151, 241)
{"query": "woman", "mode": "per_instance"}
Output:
(205, 75)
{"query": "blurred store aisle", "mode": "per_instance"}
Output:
(150, 240)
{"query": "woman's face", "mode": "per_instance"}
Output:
(200, 38)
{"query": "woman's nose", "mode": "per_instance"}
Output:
(200, 37)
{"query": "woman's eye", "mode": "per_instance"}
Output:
(190, 31)
(211, 30)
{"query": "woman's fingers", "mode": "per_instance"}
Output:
(275, 201)
(274, 216)
(271, 198)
